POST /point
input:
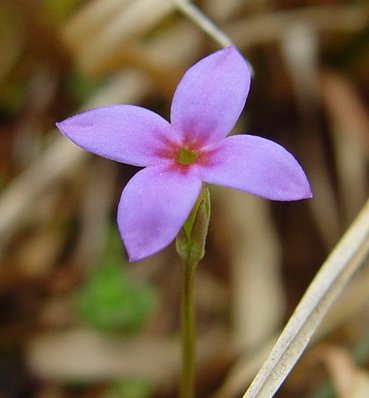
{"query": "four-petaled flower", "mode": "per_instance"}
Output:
(179, 156)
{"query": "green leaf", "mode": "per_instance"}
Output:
(133, 388)
(110, 301)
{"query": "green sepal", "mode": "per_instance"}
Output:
(191, 239)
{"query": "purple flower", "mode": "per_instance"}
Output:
(179, 156)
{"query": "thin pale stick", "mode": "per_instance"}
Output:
(345, 259)
(201, 20)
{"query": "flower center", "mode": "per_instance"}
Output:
(186, 156)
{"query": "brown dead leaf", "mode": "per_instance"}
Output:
(349, 380)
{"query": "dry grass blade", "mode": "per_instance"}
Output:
(255, 258)
(265, 28)
(61, 158)
(89, 20)
(206, 24)
(345, 259)
(300, 49)
(349, 123)
(349, 380)
(98, 45)
(86, 355)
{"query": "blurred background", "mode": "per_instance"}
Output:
(76, 320)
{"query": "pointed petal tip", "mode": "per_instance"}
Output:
(136, 252)
(138, 249)
(59, 125)
(230, 49)
(63, 127)
(299, 189)
(235, 52)
(134, 258)
(304, 193)
(290, 194)
(308, 194)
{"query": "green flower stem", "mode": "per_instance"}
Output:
(188, 329)
(190, 244)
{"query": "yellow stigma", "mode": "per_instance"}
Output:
(185, 156)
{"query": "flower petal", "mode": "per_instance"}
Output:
(258, 166)
(211, 96)
(126, 133)
(153, 207)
